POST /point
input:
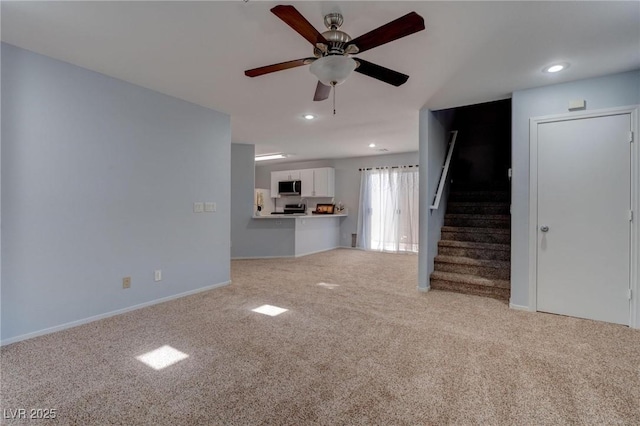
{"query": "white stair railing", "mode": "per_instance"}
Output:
(445, 171)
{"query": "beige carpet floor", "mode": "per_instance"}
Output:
(371, 350)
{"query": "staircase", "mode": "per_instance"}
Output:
(474, 250)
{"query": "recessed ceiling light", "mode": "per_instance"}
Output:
(309, 116)
(269, 157)
(556, 67)
(372, 145)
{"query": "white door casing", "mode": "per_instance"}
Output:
(584, 182)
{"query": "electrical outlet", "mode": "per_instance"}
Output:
(126, 282)
(209, 207)
(158, 275)
(198, 207)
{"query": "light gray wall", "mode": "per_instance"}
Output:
(603, 92)
(268, 238)
(317, 234)
(99, 177)
(251, 237)
(347, 181)
(242, 177)
(434, 137)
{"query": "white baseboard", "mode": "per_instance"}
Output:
(261, 257)
(286, 257)
(108, 314)
(424, 289)
(315, 252)
(519, 307)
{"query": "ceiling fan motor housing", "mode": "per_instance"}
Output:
(336, 38)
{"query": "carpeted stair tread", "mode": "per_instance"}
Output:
(478, 220)
(478, 207)
(504, 217)
(476, 230)
(463, 264)
(480, 235)
(498, 293)
(474, 245)
(461, 260)
(470, 280)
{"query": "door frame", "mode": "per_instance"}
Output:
(634, 315)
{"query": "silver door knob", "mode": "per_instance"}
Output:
(544, 228)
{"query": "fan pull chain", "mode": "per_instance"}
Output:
(334, 99)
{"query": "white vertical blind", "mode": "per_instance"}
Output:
(388, 214)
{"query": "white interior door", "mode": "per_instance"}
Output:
(584, 229)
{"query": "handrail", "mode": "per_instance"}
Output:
(445, 171)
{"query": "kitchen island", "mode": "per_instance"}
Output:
(295, 235)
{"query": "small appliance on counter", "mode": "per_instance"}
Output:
(295, 209)
(324, 209)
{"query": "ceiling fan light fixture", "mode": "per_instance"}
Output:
(333, 70)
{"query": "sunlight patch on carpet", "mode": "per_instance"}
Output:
(162, 357)
(270, 310)
(329, 286)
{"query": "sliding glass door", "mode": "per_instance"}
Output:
(388, 215)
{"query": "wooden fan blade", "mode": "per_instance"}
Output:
(401, 27)
(322, 92)
(295, 20)
(278, 67)
(381, 73)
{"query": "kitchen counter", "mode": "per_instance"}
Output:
(299, 216)
(292, 235)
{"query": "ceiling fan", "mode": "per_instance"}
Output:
(332, 62)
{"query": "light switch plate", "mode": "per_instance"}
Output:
(209, 207)
(198, 207)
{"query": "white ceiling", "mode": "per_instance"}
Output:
(471, 52)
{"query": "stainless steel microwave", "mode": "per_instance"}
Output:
(290, 187)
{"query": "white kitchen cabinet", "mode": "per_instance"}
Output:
(306, 176)
(275, 178)
(324, 182)
(290, 174)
